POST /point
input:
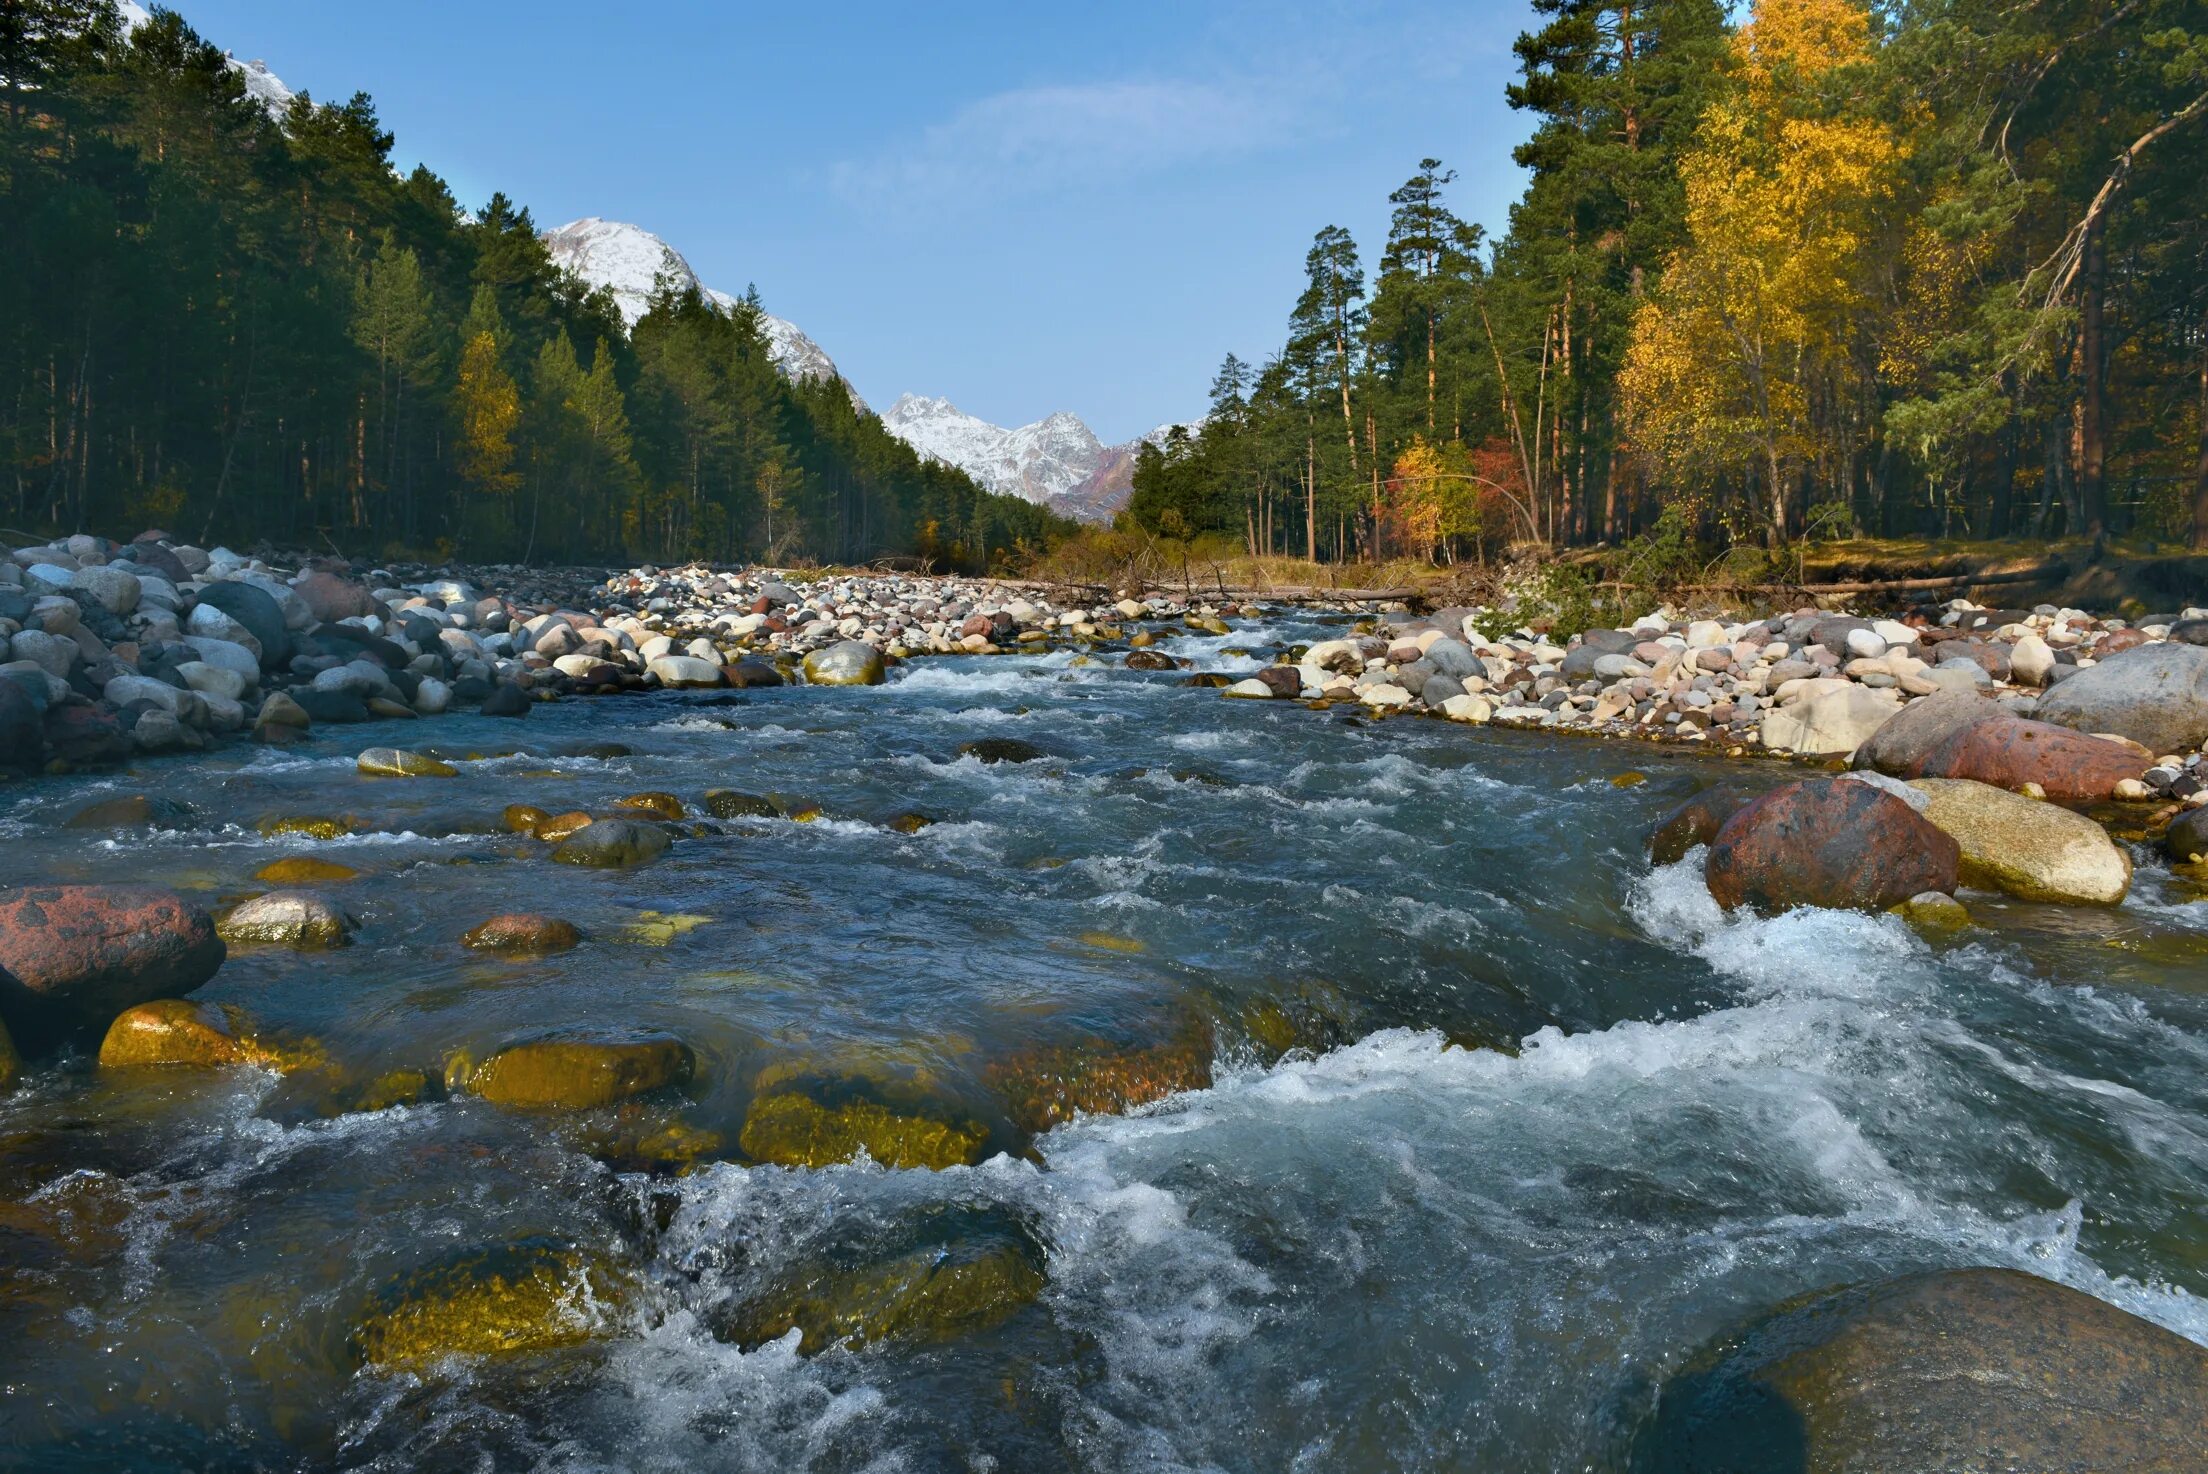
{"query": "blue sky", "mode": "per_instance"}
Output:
(1024, 208)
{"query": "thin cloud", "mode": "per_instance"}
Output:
(1043, 140)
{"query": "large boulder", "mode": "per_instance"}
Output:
(2187, 841)
(1963, 1371)
(1962, 735)
(77, 955)
(2033, 850)
(613, 844)
(2157, 695)
(258, 612)
(1695, 822)
(330, 598)
(1831, 724)
(1828, 842)
(22, 728)
(846, 663)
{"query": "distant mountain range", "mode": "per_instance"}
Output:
(1056, 461)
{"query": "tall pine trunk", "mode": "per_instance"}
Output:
(2092, 423)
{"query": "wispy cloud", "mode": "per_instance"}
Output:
(1042, 140)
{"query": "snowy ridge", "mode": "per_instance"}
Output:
(1056, 461)
(260, 83)
(628, 261)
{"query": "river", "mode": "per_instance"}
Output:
(1557, 1122)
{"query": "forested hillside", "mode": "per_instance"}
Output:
(245, 327)
(1928, 267)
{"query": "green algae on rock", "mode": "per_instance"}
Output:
(574, 1074)
(534, 1294)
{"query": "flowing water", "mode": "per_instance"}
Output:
(1390, 1249)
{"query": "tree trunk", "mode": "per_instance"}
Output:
(2092, 441)
(2200, 477)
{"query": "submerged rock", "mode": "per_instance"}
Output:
(659, 805)
(523, 933)
(727, 803)
(2033, 850)
(136, 811)
(178, 1032)
(1001, 750)
(1046, 1086)
(1828, 842)
(1934, 911)
(2187, 840)
(74, 956)
(791, 1129)
(11, 1063)
(299, 919)
(957, 1273)
(395, 762)
(535, 1294)
(304, 870)
(613, 844)
(1954, 1372)
(575, 1074)
(846, 663)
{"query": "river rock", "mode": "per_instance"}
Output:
(1966, 1371)
(728, 803)
(397, 762)
(523, 933)
(957, 1272)
(506, 700)
(1825, 842)
(1832, 724)
(77, 955)
(113, 589)
(1695, 822)
(132, 811)
(259, 614)
(1001, 750)
(330, 598)
(2034, 850)
(180, 1032)
(683, 672)
(2187, 841)
(613, 844)
(298, 919)
(22, 728)
(2156, 695)
(1962, 735)
(576, 1074)
(846, 663)
(792, 1129)
(533, 1295)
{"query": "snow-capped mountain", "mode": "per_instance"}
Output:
(1057, 461)
(260, 82)
(629, 260)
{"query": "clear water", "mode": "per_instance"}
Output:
(1395, 1254)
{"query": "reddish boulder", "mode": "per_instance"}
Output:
(2009, 752)
(1828, 842)
(1960, 735)
(2116, 642)
(331, 598)
(1282, 680)
(77, 955)
(1694, 822)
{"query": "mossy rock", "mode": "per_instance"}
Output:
(658, 928)
(912, 821)
(660, 805)
(1044, 1086)
(1934, 911)
(792, 1129)
(178, 1032)
(534, 1294)
(1111, 942)
(727, 803)
(1313, 1018)
(644, 1139)
(11, 1063)
(525, 818)
(313, 826)
(397, 762)
(395, 1088)
(1208, 680)
(1631, 778)
(795, 807)
(958, 1273)
(575, 1074)
(136, 811)
(304, 870)
(990, 750)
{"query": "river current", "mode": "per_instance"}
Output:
(1551, 1124)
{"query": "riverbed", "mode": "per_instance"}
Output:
(1547, 1121)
